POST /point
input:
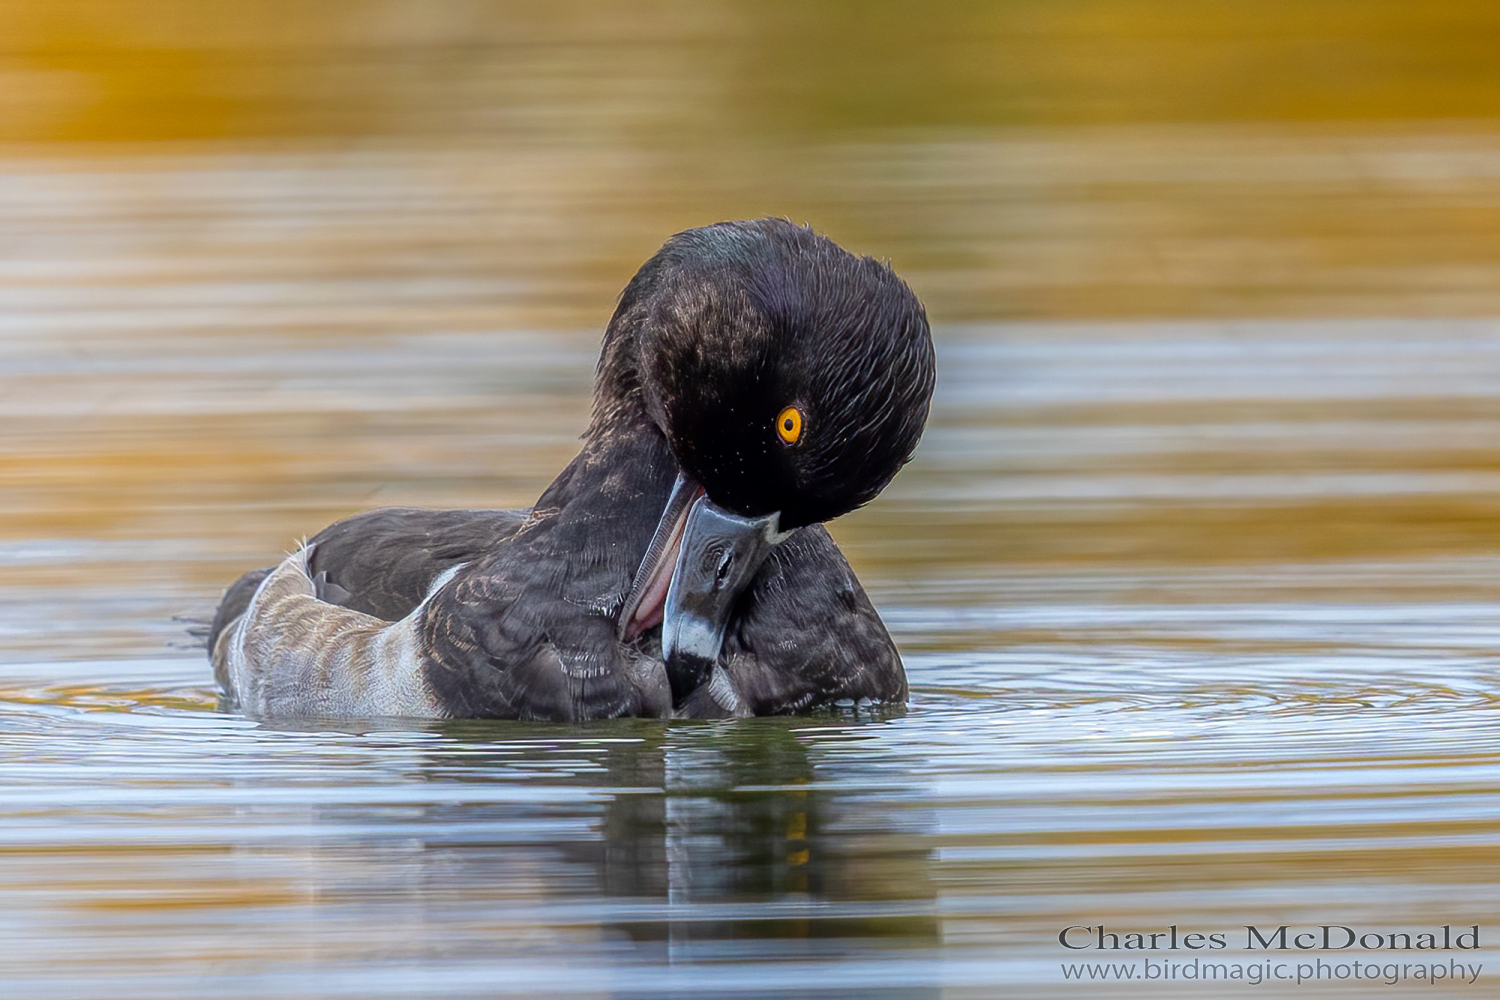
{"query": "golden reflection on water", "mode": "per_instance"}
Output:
(1199, 611)
(1088, 157)
(699, 73)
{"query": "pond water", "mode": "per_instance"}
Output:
(1201, 620)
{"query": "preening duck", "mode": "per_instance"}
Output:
(755, 381)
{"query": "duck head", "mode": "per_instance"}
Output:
(790, 378)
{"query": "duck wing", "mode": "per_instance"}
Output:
(332, 630)
(382, 562)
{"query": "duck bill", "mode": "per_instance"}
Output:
(648, 594)
(718, 556)
(699, 561)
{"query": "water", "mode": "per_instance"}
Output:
(1200, 620)
(1200, 616)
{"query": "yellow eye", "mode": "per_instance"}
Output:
(789, 424)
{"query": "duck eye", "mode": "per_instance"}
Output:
(789, 425)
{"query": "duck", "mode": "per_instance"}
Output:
(755, 381)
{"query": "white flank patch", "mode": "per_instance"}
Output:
(291, 655)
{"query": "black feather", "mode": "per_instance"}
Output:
(716, 334)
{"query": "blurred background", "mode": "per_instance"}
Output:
(266, 263)
(1194, 573)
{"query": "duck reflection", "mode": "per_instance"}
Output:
(720, 841)
(598, 857)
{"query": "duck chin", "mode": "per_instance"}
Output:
(699, 561)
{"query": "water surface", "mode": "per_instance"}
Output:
(1200, 616)
(1200, 620)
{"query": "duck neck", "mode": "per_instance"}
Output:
(624, 460)
(622, 440)
(608, 500)
(610, 497)
(620, 399)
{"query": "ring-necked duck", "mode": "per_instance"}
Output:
(755, 381)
